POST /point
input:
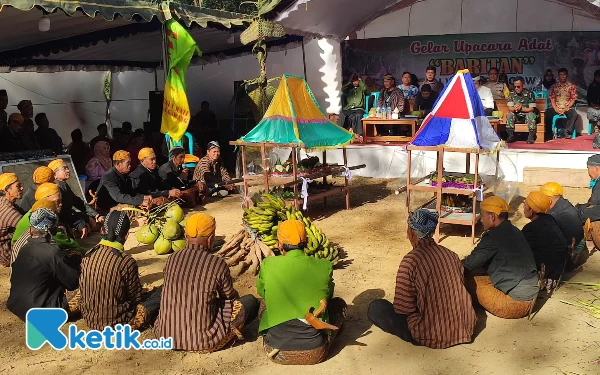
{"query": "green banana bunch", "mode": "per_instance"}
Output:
(266, 215)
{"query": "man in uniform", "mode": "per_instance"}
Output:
(499, 89)
(521, 108)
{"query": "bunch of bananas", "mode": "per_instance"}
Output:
(265, 217)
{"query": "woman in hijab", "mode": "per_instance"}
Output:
(97, 166)
(548, 79)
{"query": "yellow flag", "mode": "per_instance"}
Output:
(176, 110)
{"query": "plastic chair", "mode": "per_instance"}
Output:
(556, 117)
(171, 143)
(542, 95)
(374, 94)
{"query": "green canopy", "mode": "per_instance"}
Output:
(294, 116)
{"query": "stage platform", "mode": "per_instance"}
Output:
(389, 160)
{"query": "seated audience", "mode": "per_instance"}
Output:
(563, 95)
(111, 291)
(27, 133)
(487, 99)
(47, 190)
(102, 135)
(545, 239)
(437, 317)
(116, 189)
(80, 152)
(436, 85)
(199, 307)
(47, 138)
(292, 284)
(98, 165)
(211, 172)
(42, 273)
(3, 106)
(135, 145)
(84, 218)
(409, 90)
(499, 89)
(389, 97)
(10, 214)
(425, 100)
(145, 178)
(521, 109)
(548, 79)
(569, 222)
(352, 113)
(40, 175)
(593, 100)
(509, 281)
(10, 135)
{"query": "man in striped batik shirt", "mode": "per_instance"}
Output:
(431, 306)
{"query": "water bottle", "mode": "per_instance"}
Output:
(389, 112)
(378, 113)
(383, 115)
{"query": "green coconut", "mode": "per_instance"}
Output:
(147, 234)
(175, 213)
(171, 230)
(162, 246)
(178, 244)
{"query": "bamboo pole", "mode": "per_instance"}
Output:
(244, 173)
(295, 175)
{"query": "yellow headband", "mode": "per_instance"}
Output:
(121, 155)
(494, 204)
(291, 232)
(538, 202)
(552, 189)
(45, 203)
(45, 190)
(200, 225)
(55, 164)
(7, 179)
(43, 174)
(145, 153)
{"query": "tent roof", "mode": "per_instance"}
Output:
(100, 34)
(294, 116)
(339, 18)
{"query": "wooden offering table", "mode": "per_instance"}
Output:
(370, 131)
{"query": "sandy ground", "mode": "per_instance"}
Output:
(560, 339)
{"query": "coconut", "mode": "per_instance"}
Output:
(171, 230)
(174, 212)
(162, 246)
(147, 234)
(178, 244)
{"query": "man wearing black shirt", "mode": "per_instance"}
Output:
(593, 99)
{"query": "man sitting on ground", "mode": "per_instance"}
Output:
(485, 94)
(145, 178)
(545, 239)
(212, 173)
(589, 212)
(437, 317)
(116, 189)
(200, 309)
(499, 89)
(569, 222)
(42, 273)
(510, 282)
(521, 109)
(40, 175)
(111, 291)
(85, 218)
(175, 176)
(425, 100)
(290, 285)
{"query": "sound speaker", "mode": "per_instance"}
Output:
(156, 106)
